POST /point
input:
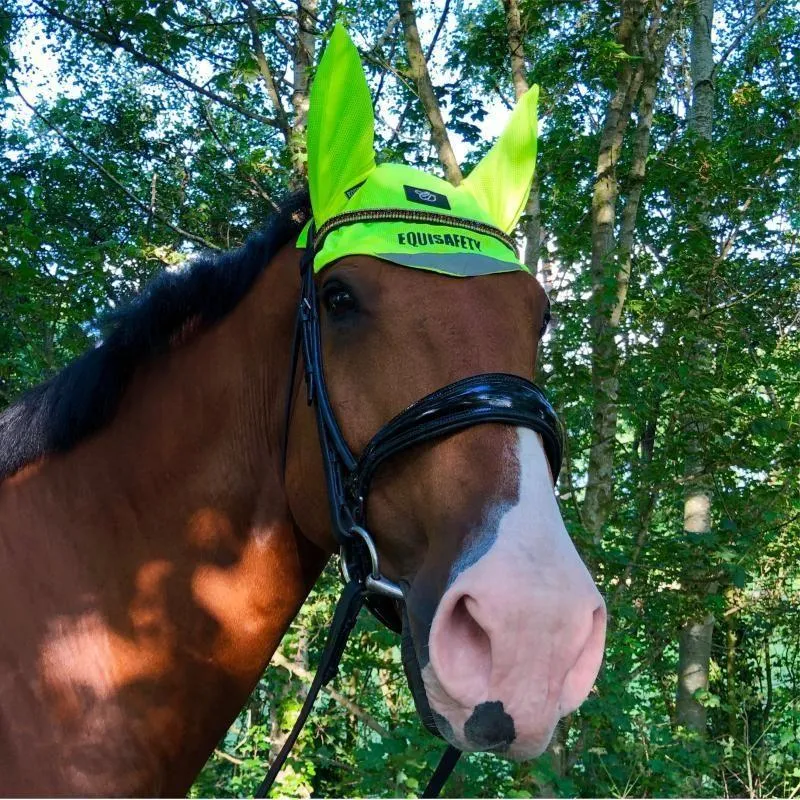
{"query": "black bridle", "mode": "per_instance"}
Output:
(491, 397)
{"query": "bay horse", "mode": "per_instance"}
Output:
(162, 518)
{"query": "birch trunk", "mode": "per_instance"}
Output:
(694, 654)
(303, 58)
(694, 640)
(533, 212)
(612, 261)
(533, 230)
(515, 48)
(597, 500)
(419, 71)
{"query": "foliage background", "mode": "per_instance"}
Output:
(135, 132)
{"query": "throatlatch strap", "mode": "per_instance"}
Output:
(343, 621)
(442, 772)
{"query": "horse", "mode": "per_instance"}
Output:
(164, 513)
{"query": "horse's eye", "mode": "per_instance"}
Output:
(338, 299)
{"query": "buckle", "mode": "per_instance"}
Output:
(374, 582)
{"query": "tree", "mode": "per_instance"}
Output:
(694, 640)
(671, 258)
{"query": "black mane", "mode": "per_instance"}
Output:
(83, 397)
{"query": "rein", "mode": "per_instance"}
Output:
(491, 397)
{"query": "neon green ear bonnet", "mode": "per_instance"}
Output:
(396, 212)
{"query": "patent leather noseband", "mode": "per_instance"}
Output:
(491, 397)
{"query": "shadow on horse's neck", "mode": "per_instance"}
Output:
(156, 565)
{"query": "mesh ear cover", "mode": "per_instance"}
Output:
(396, 212)
(340, 132)
(502, 180)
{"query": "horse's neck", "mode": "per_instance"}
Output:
(154, 567)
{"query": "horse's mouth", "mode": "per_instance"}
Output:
(434, 723)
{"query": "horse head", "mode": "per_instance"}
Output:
(176, 513)
(419, 288)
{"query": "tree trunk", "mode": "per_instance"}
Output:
(694, 647)
(731, 691)
(694, 641)
(533, 230)
(630, 212)
(533, 211)
(514, 28)
(701, 114)
(611, 262)
(597, 500)
(419, 71)
(303, 58)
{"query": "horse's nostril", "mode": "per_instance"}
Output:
(490, 727)
(462, 652)
(468, 631)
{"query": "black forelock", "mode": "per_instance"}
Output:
(56, 415)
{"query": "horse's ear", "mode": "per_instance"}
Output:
(502, 180)
(341, 127)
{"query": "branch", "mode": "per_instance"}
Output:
(124, 44)
(343, 701)
(658, 39)
(250, 178)
(377, 50)
(266, 72)
(742, 208)
(400, 122)
(228, 757)
(387, 34)
(375, 56)
(434, 41)
(231, 22)
(742, 33)
(501, 97)
(287, 45)
(384, 72)
(143, 205)
(427, 95)
(768, 284)
(401, 119)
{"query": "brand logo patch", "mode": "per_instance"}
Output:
(412, 238)
(426, 197)
(353, 189)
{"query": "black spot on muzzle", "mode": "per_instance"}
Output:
(490, 727)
